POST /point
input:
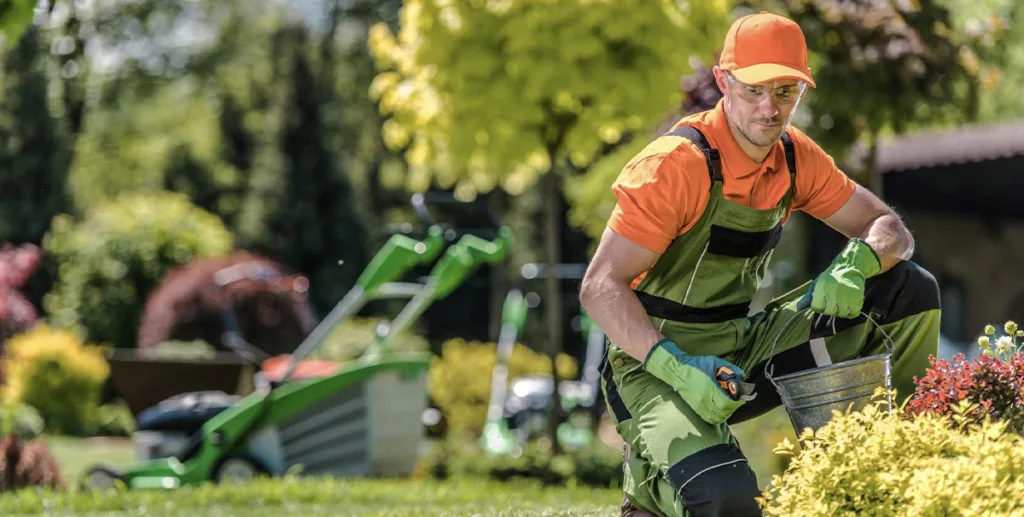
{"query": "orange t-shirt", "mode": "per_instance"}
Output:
(663, 190)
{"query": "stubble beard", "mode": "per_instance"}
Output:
(761, 136)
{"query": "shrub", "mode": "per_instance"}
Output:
(268, 302)
(876, 462)
(110, 260)
(54, 372)
(17, 264)
(596, 465)
(460, 380)
(350, 339)
(25, 464)
(992, 384)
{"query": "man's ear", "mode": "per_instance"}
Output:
(720, 79)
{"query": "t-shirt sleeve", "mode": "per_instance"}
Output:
(654, 201)
(821, 187)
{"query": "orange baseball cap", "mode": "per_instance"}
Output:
(763, 47)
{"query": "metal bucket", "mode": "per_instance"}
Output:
(810, 396)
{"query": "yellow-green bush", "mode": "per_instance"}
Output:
(460, 380)
(879, 463)
(56, 373)
(350, 339)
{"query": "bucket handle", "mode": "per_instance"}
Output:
(801, 306)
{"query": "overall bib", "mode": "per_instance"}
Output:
(698, 294)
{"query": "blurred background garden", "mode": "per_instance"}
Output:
(147, 145)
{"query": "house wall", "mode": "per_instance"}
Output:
(984, 258)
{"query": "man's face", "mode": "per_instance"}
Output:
(760, 112)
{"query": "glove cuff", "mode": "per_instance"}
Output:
(859, 255)
(662, 361)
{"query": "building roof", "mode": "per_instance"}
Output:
(967, 144)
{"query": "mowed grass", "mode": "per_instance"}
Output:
(335, 497)
(294, 497)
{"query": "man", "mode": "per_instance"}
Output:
(698, 216)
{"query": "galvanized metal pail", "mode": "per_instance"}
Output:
(810, 396)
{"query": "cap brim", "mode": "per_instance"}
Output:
(770, 72)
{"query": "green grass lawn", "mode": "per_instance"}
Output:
(75, 455)
(307, 497)
(300, 497)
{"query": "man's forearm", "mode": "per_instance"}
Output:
(618, 313)
(890, 239)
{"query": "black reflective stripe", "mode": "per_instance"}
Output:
(611, 391)
(666, 309)
(787, 144)
(711, 156)
(735, 243)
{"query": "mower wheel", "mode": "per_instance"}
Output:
(102, 478)
(238, 468)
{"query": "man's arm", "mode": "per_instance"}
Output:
(608, 298)
(865, 216)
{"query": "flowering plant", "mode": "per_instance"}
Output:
(989, 386)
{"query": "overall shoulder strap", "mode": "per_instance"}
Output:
(787, 143)
(710, 155)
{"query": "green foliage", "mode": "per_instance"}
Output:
(350, 339)
(16, 17)
(21, 420)
(596, 465)
(496, 92)
(300, 208)
(878, 463)
(36, 150)
(887, 66)
(110, 259)
(167, 140)
(1002, 74)
(460, 380)
(54, 372)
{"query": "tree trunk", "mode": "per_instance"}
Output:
(553, 296)
(873, 174)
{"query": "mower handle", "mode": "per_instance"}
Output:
(462, 258)
(400, 254)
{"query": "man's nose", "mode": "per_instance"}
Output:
(767, 106)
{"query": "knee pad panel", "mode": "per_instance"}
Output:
(716, 482)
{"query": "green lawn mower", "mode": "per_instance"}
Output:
(359, 418)
(519, 412)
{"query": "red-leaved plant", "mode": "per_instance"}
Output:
(17, 264)
(989, 386)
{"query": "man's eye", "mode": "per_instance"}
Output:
(754, 90)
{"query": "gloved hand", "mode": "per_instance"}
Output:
(839, 290)
(710, 385)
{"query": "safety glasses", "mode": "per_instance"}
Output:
(756, 93)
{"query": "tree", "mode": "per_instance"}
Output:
(300, 206)
(591, 201)
(35, 150)
(885, 67)
(16, 17)
(505, 93)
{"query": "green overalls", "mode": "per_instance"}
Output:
(698, 295)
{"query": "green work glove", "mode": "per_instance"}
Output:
(839, 290)
(710, 385)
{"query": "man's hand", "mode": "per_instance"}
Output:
(708, 384)
(839, 290)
